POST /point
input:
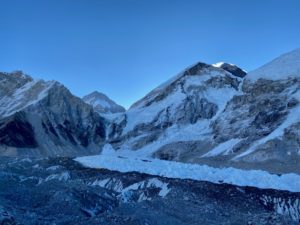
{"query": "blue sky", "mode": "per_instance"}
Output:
(125, 48)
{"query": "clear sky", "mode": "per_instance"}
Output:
(125, 48)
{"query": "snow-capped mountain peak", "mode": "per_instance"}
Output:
(286, 65)
(102, 104)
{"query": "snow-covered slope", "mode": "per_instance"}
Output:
(16, 99)
(42, 118)
(285, 66)
(102, 104)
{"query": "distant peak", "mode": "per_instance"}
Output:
(102, 103)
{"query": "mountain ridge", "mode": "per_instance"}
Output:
(207, 114)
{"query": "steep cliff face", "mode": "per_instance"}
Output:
(218, 115)
(42, 118)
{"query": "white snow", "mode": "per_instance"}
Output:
(171, 169)
(141, 115)
(287, 65)
(223, 148)
(218, 64)
(61, 177)
(220, 97)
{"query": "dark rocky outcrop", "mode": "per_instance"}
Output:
(234, 70)
(17, 132)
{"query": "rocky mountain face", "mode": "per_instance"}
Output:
(42, 118)
(218, 115)
(102, 104)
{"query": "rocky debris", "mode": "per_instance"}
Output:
(93, 196)
(6, 218)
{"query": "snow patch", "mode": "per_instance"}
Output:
(61, 177)
(109, 183)
(53, 168)
(223, 148)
